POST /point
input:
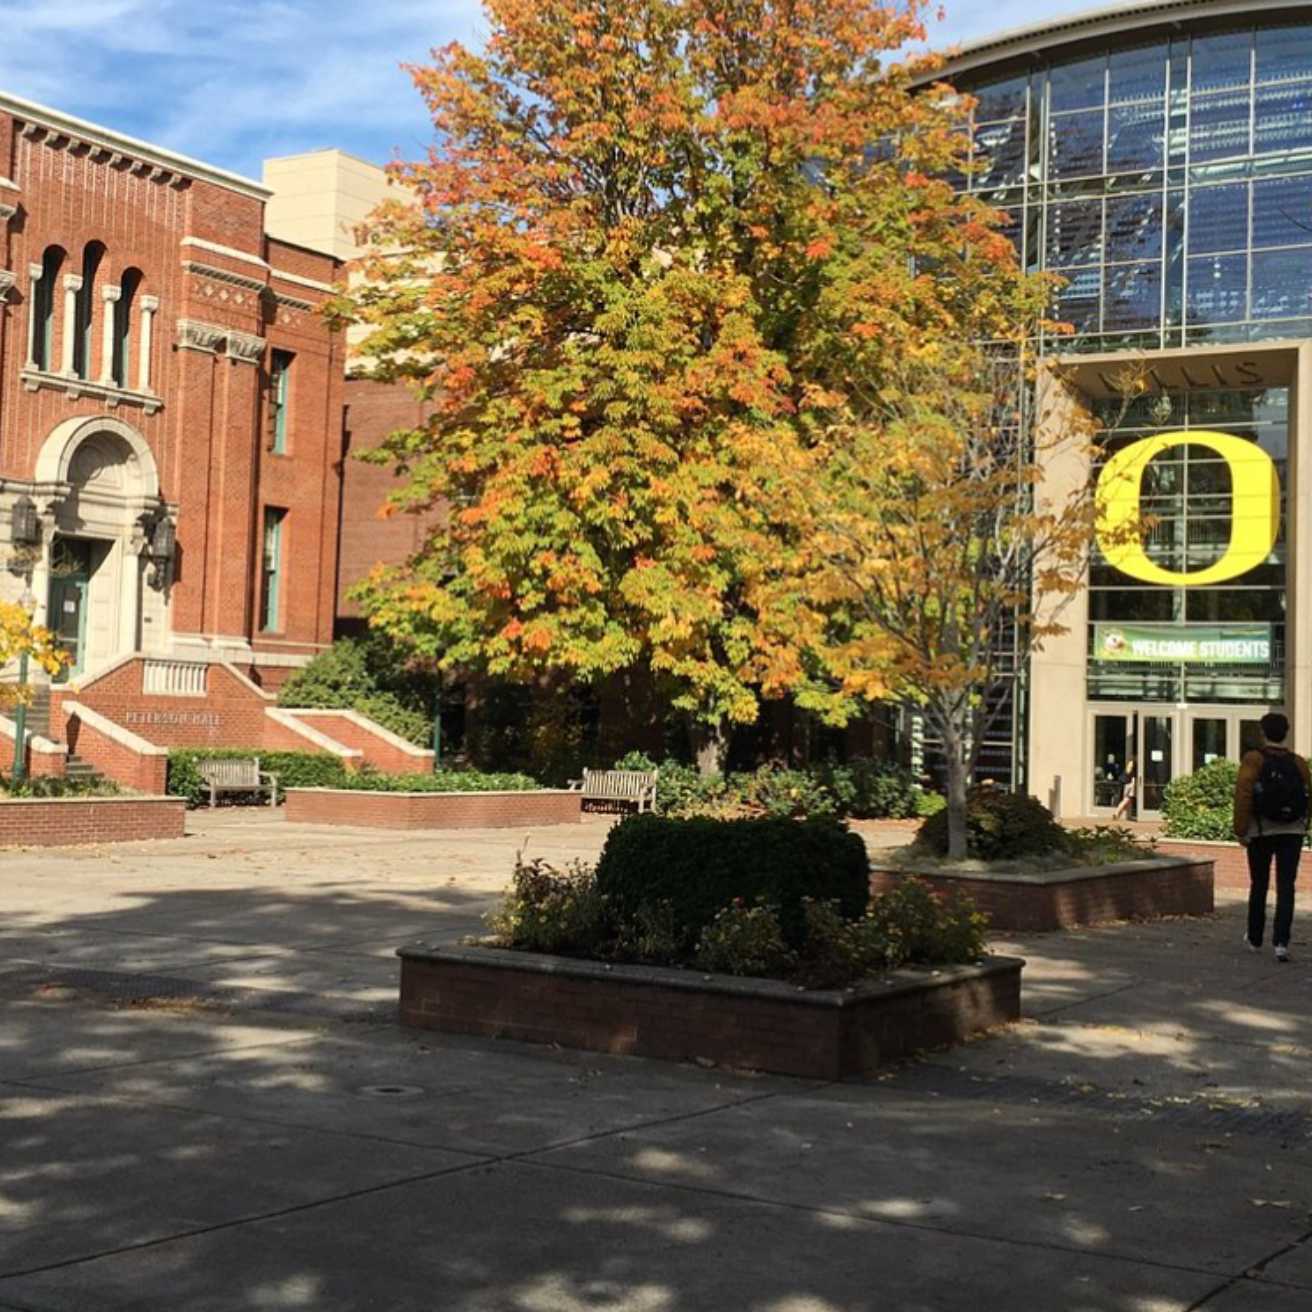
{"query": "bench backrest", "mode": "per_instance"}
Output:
(628, 784)
(245, 770)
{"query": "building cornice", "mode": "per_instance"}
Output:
(140, 153)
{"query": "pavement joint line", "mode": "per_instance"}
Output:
(899, 1223)
(236, 1223)
(1247, 1275)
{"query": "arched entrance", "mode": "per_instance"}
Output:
(106, 489)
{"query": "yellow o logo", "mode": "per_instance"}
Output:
(1254, 508)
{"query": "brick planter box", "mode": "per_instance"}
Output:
(1062, 899)
(66, 821)
(343, 806)
(682, 1015)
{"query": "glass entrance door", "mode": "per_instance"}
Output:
(69, 576)
(1135, 746)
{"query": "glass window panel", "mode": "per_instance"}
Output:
(1218, 218)
(1282, 212)
(1218, 126)
(1077, 302)
(1284, 52)
(1132, 296)
(1075, 144)
(1233, 605)
(1217, 289)
(1074, 233)
(1138, 73)
(1079, 85)
(1134, 227)
(1222, 61)
(1122, 603)
(1000, 148)
(1136, 137)
(1282, 283)
(1283, 119)
(1000, 99)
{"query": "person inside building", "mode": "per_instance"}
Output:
(1270, 820)
(1128, 781)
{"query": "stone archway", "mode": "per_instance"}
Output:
(106, 485)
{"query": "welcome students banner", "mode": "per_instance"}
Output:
(1214, 644)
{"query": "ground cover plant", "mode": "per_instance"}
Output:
(47, 786)
(773, 898)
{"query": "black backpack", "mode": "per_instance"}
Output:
(1280, 795)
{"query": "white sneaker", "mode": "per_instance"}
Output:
(1282, 952)
(1249, 944)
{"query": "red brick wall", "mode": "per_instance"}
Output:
(760, 1025)
(231, 714)
(367, 535)
(116, 760)
(1229, 859)
(376, 751)
(1029, 903)
(431, 810)
(207, 438)
(66, 821)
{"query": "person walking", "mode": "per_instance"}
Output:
(1128, 780)
(1270, 821)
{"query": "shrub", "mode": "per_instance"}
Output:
(999, 826)
(1201, 805)
(910, 923)
(868, 789)
(294, 770)
(744, 940)
(776, 790)
(443, 781)
(701, 865)
(1105, 845)
(370, 677)
(551, 910)
(49, 786)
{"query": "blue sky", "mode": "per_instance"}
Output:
(232, 82)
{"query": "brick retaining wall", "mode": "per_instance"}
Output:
(685, 1016)
(339, 806)
(1228, 859)
(1173, 886)
(66, 821)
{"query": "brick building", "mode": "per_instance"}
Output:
(170, 408)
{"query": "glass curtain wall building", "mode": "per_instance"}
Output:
(1158, 158)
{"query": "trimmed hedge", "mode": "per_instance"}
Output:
(294, 769)
(694, 868)
(1201, 805)
(444, 781)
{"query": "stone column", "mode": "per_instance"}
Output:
(72, 285)
(149, 304)
(35, 272)
(110, 297)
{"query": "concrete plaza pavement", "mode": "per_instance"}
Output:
(206, 1107)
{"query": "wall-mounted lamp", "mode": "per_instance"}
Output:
(24, 523)
(163, 540)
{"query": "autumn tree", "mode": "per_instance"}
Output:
(941, 531)
(20, 637)
(655, 242)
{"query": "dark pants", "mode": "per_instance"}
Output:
(1285, 848)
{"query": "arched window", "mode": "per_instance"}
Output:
(84, 312)
(121, 366)
(45, 296)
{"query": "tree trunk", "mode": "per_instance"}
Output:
(956, 782)
(710, 745)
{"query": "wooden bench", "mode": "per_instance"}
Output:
(637, 787)
(237, 775)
